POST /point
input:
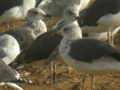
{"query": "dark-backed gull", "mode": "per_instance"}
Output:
(86, 55)
(13, 42)
(101, 16)
(41, 48)
(103, 12)
(31, 29)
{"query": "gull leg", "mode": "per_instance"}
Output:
(83, 81)
(111, 38)
(70, 70)
(111, 34)
(108, 35)
(53, 65)
(8, 27)
(53, 70)
(92, 81)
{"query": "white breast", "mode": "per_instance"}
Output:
(9, 48)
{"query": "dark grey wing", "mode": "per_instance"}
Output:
(7, 74)
(98, 9)
(88, 50)
(41, 48)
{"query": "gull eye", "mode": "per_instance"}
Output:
(66, 29)
(70, 12)
(35, 12)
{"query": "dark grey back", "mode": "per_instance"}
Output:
(88, 50)
(41, 48)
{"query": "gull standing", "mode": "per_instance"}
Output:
(31, 29)
(102, 16)
(87, 55)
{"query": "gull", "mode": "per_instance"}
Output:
(34, 27)
(94, 17)
(57, 7)
(9, 76)
(49, 5)
(19, 12)
(12, 42)
(9, 48)
(101, 12)
(86, 55)
(41, 48)
(15, 41)
(102, 15)
(5, 5)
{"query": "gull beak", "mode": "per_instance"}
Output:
(45, 14)
(48, 16)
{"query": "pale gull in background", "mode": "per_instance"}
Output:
(19, 12)
(56, 7)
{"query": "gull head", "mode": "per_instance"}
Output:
(71, 26)
(35, 14)
(71, 14)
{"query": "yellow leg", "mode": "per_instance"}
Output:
(92, 81)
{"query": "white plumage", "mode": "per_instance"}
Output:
(20, 12)
(9, 48)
